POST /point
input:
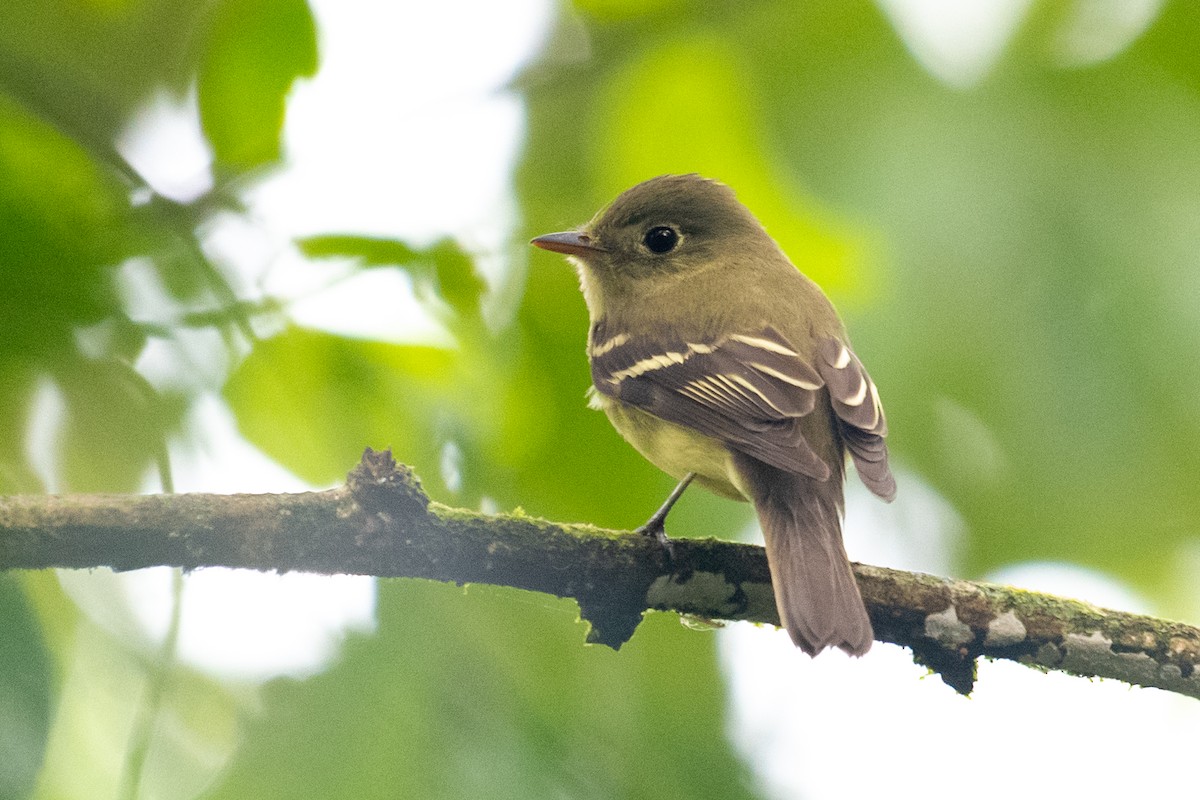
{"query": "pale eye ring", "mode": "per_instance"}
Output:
(661, 239)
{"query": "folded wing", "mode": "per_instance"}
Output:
(749, 390)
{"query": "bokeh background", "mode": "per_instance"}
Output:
(241, 240)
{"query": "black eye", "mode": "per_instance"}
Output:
(661, 239)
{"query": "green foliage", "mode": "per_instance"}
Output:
(25, 692)
(305, 375)
(1017, 262)
(68, 218)
(85, 66)
(487, 692)
(62, 229)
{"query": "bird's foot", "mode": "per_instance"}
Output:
(656, 525)
(655, 528)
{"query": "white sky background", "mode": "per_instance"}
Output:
(405, 133)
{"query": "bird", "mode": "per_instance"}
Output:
(724, 365)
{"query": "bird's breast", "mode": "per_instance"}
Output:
(674, 449)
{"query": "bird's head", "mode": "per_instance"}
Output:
(672, 224)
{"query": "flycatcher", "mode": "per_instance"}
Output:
(721, 362)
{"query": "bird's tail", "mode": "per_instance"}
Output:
(815, 590)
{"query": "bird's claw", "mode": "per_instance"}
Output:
(657, 530)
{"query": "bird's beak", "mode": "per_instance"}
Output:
(572, 243)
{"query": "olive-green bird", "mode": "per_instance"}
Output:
(721, 362)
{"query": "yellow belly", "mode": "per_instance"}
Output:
(674, 449)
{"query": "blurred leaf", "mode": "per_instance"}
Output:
(444, 271)
(167, 231)
(423, 402)
(25, 692)
(100, 697)
(458, 282)
(61, 224)
(491, 693)
(16, 474)
(369, 251)
(85, 66)
(313, 401)
(1168, 44)
(255, 51)
(116, 426)
(197, 733)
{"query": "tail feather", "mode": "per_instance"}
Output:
(815, 590)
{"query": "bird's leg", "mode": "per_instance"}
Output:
(656, 525)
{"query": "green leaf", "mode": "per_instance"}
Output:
(447, 269)
(255, 51)
(84, 67)
(368, 251)
(313, 401)
(62, 228)
(458, 282)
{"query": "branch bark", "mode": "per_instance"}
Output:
(382, 523)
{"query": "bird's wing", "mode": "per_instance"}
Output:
(860, 414)
(747, 390)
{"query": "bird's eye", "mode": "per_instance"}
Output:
(661, 239)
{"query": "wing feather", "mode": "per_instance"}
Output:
(747, 390)
(860, 414)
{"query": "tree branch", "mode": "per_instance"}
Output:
(382, 523)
